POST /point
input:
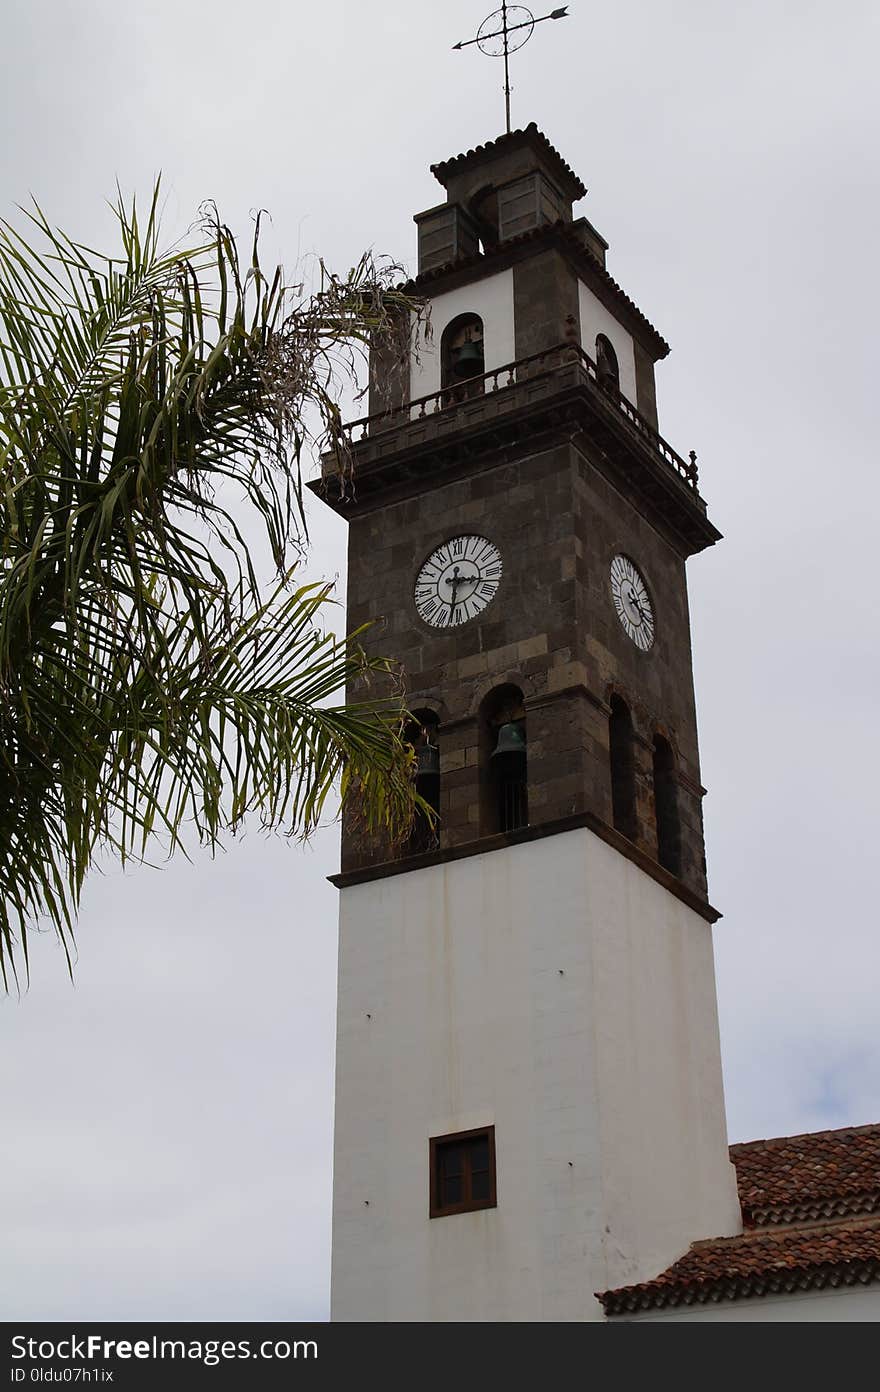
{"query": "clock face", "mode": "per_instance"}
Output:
(457, 581)
(632, 602)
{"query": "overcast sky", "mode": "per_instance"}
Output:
(167, 1122)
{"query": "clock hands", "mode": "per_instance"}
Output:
(634, 601)
(630, 597)
(455, 579)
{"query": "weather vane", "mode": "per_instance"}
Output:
(516, 25)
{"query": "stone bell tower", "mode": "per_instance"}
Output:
(529, 1100)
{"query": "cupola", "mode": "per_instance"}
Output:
(499, 191)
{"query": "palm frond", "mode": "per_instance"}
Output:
(148, 687)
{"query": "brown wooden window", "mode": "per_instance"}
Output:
(463, 1172)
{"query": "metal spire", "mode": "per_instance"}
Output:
(500, 43)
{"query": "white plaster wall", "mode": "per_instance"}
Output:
(596, 319)
(492, 299)
(556, 991)
(850, 1304)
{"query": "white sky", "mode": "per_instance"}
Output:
(167, 1122)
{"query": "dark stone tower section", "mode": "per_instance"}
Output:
(563, 471)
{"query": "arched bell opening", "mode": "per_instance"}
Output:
(504, 793)
(607, 369)
(421, 733)
(666, 806)
(483, 208)
(462, 358)
(621, 749)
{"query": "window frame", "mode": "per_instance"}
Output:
(467, 1205)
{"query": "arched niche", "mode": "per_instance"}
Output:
(607, 366)
(483, 208)
(504, 798)
(462, 357)
(621, 750)
(666, 806)
(422, 733)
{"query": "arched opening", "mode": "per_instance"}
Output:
(462, 360)
(666, 806)
(421, 733)
(623, 768)
(607, 369)
(504, 796)
(483, 208)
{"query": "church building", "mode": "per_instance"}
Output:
(529, 1105)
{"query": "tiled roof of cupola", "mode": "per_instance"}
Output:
(529, 135)
(811, 1210)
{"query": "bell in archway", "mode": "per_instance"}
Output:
(467, 359)
(428, 760)
(509, 776)
(511, 739)
(423, 835)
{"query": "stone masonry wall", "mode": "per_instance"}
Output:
(550, 630)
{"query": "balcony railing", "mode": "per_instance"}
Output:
(533, 368)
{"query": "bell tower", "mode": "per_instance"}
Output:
(529, 1100)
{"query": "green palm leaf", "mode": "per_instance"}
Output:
(151, 406)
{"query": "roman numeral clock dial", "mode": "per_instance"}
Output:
(632, 602)
(457, 581)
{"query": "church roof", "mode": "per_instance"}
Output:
(759, 1263)
(820, 1175)
(811, 1214)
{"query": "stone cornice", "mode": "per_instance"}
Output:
(486, 844)
(403, 459)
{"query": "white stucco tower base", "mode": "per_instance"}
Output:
(556, 991)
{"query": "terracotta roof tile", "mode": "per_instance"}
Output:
(760, 1263)
(813, 1176)
(831, 1175)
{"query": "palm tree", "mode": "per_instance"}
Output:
(153, 404)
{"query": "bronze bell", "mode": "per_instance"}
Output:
(511, 739)
(467, 360)
(427, 760)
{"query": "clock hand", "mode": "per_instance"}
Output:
(457, 579)
(454, 580)
(633, 599)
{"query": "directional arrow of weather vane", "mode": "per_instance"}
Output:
(503, 32)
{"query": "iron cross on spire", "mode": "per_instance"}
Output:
(514, 20)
